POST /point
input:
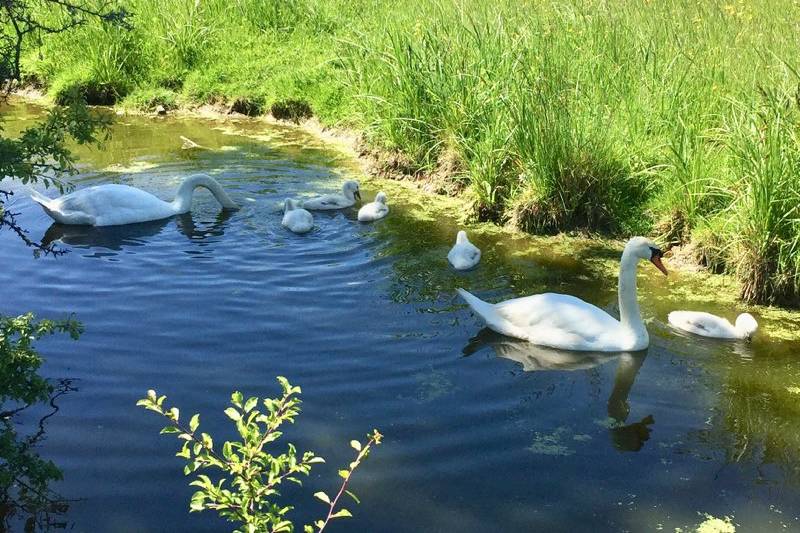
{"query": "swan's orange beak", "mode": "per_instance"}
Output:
(656, 260)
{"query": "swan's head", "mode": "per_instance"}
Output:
(289, 205)
(351, 191)
(643, 248)
(461, 238)
(381, 197)
(746, 325)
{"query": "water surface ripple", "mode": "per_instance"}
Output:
(482, 433)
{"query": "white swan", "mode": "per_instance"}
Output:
(463, 255)
(113, 205)
(569, 323)
(347, 198)
(295, 218)
(709, 325)
(374, 210)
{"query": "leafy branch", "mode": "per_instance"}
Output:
(17, 23)
(248, 498)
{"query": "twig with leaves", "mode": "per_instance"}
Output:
(248, 498)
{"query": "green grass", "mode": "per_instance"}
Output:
(675, 118)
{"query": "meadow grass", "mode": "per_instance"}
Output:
(677, 118)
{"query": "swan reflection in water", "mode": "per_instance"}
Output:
(115, 238)
(533, 358)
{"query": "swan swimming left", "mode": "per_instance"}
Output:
(114, 205)
(569, 323)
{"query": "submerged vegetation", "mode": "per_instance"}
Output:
(675, 118)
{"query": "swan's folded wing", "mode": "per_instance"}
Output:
(327, 201)
(561, 313)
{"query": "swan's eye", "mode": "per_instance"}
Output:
(655, 252)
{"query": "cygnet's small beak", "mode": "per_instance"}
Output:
(358, 195)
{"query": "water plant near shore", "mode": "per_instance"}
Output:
(619, 117)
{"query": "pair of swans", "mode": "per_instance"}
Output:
(370, 212)
(565, 322)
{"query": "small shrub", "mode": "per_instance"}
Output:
(290, 109)
(65, 89)
(250, 106)
(247, 494)
(150, 99)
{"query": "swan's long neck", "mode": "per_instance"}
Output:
(629, 315)
(183, 198)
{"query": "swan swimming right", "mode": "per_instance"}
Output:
(347, 198)
(295, 218)
(708, 325)
(569, 323)
(113, 204)
(463, 255)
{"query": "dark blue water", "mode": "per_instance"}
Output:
(482, 433)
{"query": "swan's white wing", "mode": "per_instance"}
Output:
(113, 204)
(561, 321)
(327, 201)
(464, 256)
(372, 211)
(298, 221)
(701, 323)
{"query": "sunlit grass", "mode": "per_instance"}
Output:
(619, 116)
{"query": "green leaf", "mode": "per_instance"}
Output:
(194, 423)
(251, 403)
(233, 414)
(175, 413)
(344, 474)
(170, 429)
(322, 496)
(236, 399)
(355, 498)
(355, 445)
(342, 513)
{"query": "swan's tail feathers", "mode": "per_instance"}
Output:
(484, 310)
(40, 199)
(46, 203)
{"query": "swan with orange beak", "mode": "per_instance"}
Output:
(569, 323)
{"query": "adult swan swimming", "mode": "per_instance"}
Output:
(113, 204)
(569, 323)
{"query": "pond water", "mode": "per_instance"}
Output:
(482, 433)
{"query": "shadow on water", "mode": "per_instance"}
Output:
(534, 358)
(116, 238)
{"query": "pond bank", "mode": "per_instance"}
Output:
(697, 287)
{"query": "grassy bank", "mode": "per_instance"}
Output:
(678, 119)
